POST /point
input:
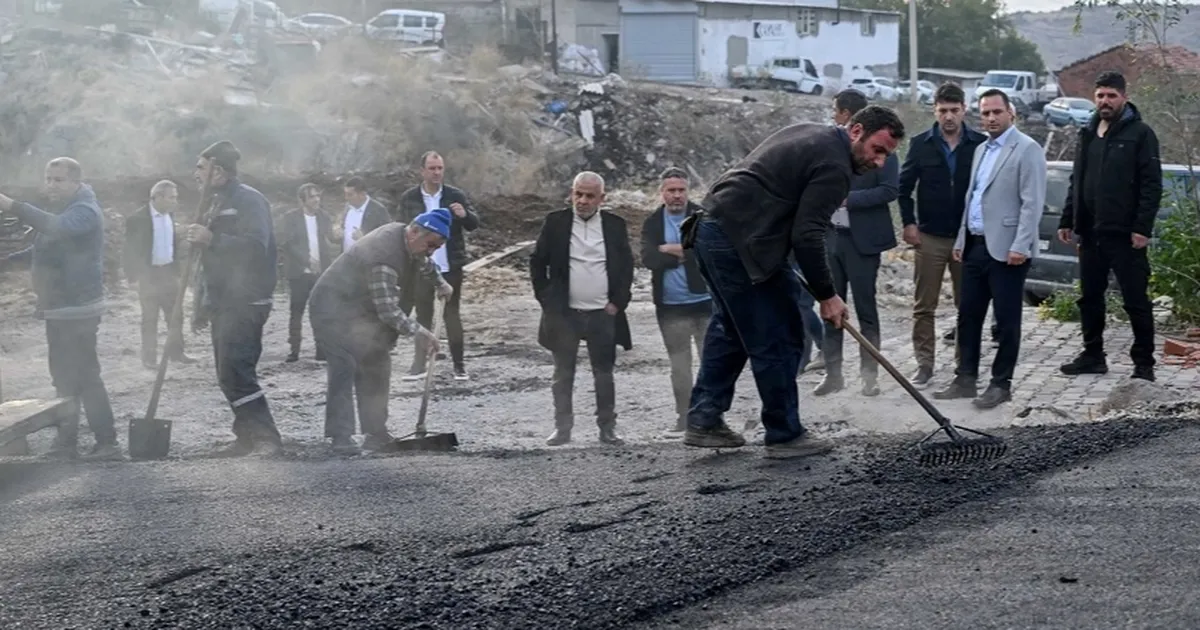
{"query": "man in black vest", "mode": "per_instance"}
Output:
(1112, 203)
(238, 271)
(449, 258)
(307, 250)
(862, 231)
(151, 260)
(357, 317)
(582, 275)
(681, 300)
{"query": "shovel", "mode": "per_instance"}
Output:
(150, 437)
(421, 439)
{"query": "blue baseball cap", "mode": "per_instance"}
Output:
(436, 221)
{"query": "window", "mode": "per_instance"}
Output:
(386, 21)
(810, 69)
(867, 25)
(806, 22)
(413, 21)
(431, 22)
(787, 63)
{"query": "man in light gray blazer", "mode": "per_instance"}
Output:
(998, 236)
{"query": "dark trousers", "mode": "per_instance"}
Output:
(814, 326)
(75, 373)
(237, 346)
(158, 288)
(298, 292)
(987, 280)
(681, 326)
(858, 273)
(358, 363)
(451, 315)
(1098, 255)
(760, 322)
(598, 330)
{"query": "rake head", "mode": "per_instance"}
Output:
(961, 450)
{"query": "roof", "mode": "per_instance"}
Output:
(948, 72)
(802, 4)
(1177, 57)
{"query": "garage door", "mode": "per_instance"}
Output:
(659, 46)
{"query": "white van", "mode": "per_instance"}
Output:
(420, 28)
(266, 13)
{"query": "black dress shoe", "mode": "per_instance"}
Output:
(992, 397)
(1085, 364)
(608, 435)
(1144, 372)
(559, 437)
(292, 357)
(960, 387)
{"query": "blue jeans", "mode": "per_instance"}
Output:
(814, 326)
(760, 322)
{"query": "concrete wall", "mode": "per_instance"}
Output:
(841, 51)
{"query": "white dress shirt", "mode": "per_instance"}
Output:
(433, 202)
(314, 245)
(353, 221)
(983, 175)
(588, 282)
(162, 248)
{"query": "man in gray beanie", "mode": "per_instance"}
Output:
(238, 278)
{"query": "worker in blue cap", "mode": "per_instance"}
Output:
(357, 317)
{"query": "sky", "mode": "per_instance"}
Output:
(1037, 5)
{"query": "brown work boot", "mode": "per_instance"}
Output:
(803, 446)
(720, 436)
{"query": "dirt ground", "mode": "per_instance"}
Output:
(505, 405)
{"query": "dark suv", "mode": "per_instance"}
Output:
(1054, 267)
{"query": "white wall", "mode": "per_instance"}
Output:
(841, 43)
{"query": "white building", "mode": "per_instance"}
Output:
(698, 41)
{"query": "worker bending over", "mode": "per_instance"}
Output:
(357, 318)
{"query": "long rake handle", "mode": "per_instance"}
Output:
(177, 310)
(429, 361)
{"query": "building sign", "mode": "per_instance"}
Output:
(773, 29)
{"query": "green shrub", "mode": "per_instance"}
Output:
(1175, 261)
(1062, 306)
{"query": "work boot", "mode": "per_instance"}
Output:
(460, 373)
(344, 445)
(1085, 364)
(720, 436)
(922, 376)
(559, 437)
(415, 374)
(817, 364)
(377, 441)
(803, 446)
(992, 397)
(183, 359)
(268, 447)
(830, 384)
(608, 435)
(870, 386)
(960, 387)
(241, 447)
(292, 356)
(1144, 372)
(104, 452)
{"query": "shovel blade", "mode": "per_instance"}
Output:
(149, 439)
(440, 442)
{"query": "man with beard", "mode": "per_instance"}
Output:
(940, 160)
(682, 304)
(778, 200)
(67, 264)
(582, 275)
(998, 236)
(357, 318)
(1112, 202)
(238, 268)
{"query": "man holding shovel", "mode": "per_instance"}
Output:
(357, 318)
(67, 262)
(238, 279)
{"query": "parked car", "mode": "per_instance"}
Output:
(795, 74)
(419, 28)
(1074, 112)
(320, 26)
(876, 88)
(926, 90)
(1055, 268)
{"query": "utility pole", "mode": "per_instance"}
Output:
(554, 35)
(914, 90)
